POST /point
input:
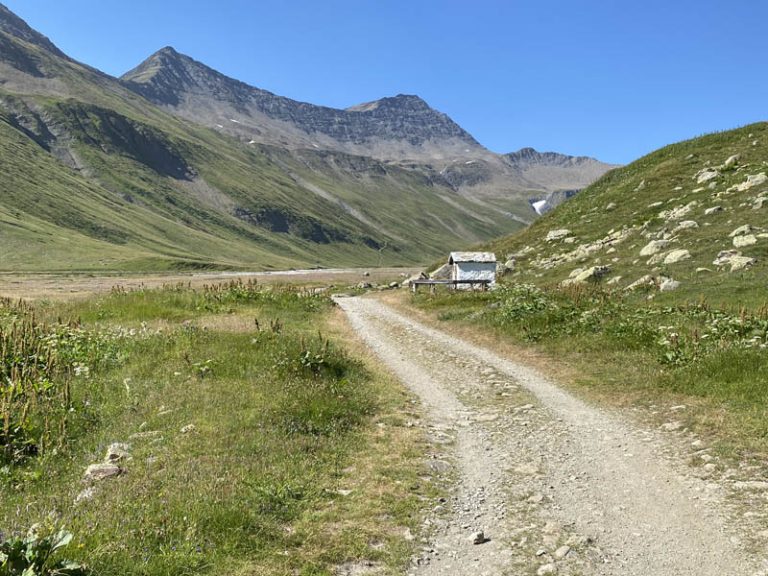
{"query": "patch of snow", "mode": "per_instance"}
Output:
(470, 162)
(235, 121)
(539, 206)
(219, 126)
(252, 142)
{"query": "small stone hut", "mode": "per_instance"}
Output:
(472, 266)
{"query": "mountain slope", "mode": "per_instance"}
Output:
(96, 177)
(105, 180)
(693, 213)
(402, 129)
(391, 128)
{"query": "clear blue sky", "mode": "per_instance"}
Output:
(610, 79)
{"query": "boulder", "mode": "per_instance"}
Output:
(676, 256)
(96, 472)
(741, 262)
(678, 212)
(713, 210)
(740, 231)
(744, 241)
(117, 452)
(751, 181)
(706, 175)
(732, 161)
(685, 225)
(653, 247)
(734, 259)
(553, 235)
(646, 280)
(592, 274)
(668, 284)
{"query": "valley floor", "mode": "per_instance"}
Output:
(556, 486)
(58, 286)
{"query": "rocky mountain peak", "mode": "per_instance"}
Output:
(530, 156)
(400, 102)
(14, 26)
(394, 127)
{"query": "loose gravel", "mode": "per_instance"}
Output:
(556, 486)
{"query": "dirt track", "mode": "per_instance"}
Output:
(558, 487)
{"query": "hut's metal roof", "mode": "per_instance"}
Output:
(486, 257)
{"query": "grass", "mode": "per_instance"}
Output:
(257, 445)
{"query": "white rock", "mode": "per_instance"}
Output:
(478, 538)
(678, 212)
(751, 181)
(117, 452)
(654, 247)
(733, 258)
(676, 256)
(668, 285)
(593, 273)
(713, 210)
(188, 428)
(96, 472)
(553, 235)
(646, 280)
(741, 262)
(744, 241)
(685, 225)
(672, 426)
(546, 569)
(732, 161)
(706, 175)
(614, 280)
(741, 230)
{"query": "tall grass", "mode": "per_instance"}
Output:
(38, 363)
(279, 413)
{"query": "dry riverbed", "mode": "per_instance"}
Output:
(542, 482)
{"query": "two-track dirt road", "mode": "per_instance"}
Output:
(557, 486)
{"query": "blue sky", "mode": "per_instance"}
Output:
(610, 79)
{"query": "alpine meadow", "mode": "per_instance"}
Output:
(245, 334)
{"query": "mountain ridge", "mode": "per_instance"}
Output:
(196, 91)
(97, 177)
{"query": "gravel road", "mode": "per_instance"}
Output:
(555, 485)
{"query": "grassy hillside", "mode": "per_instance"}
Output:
(97, 179)
(685, 198)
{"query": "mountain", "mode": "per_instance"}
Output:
(402, 130)
(390, 128)
(561, 175)
(176, 166)
(689, 219)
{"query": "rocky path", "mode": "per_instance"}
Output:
(554, 485)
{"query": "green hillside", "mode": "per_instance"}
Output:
(95, 178)
(703, 201)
